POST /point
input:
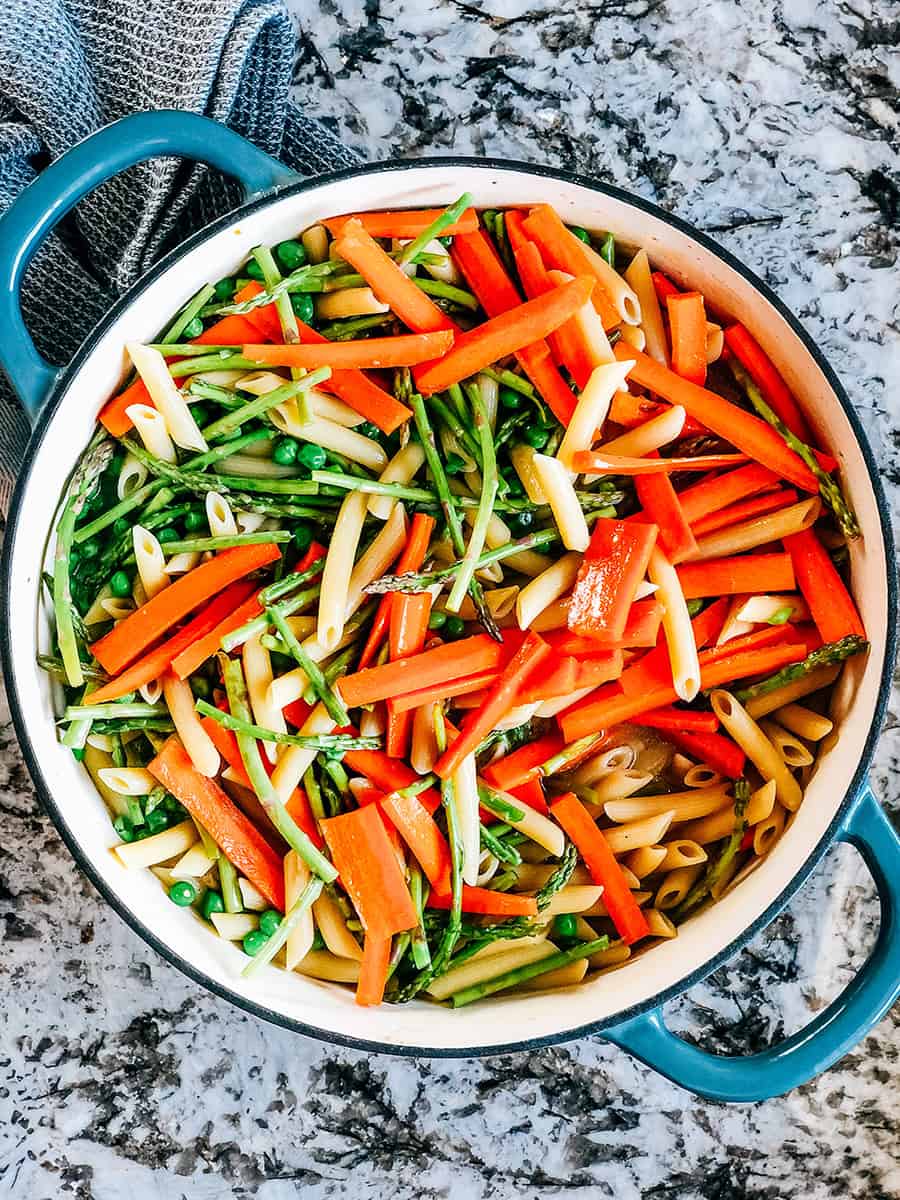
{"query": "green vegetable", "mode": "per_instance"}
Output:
(212, 902)
(421, 953)
(113, 709)
(269, 921)
(284, 451)
(224, 289)
(265, 952)
(571, 753)
(257, 407)
(334, 706)
(437, 619)
(581, 234)
(183, 893)
(565, 927)
(189, 315)
(228, 881)
(303, 307)
(530, 971)
(826, 656)
(194, 521)
(254, 270)
(537, 437)
(329, 742)
(510, 399)
(466, 570)
(120, 585)
(312, 456)
(265, 537)
(412, 581)
(608, 250)
(781, 615)
(446, 291)
(291, 254)
(716, 869)
(303, 536)
(454, 627)
(253, 942)
(500, 850)
(193, 328)
(167, 535)
(499, 804)
(435, 229)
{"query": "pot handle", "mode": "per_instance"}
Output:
(832, 1033)
(71, 177)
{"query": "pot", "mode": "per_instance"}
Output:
(624, 1007)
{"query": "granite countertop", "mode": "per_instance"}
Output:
(773, 127)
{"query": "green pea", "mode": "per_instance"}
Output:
(513, 483)
(694, 606)
(565, 927)
(224, 289)
(537, 436)
(254, 941)
(269, 921)
(454, 627)
(521, 522)
(157, 820)
(255, 271)
(312, 456)
(212, 902)
(302, 304)
(510, 398)
(367, 429)
(581, 234)
(183, 893)
(121, 526)
(290, 254)
(120, 584)
(201, 687)
(437, 620)
(193, 329)
(284, 452)
(454, 464)
(90, 549)
(167, 535)
(303, 536)
(194, 521)
(123, 828)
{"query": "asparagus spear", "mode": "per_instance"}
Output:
(421, 953)
(716, 869)
(530, 971)
(435, 229)
(289, 923)
(413, 581)
(334, 706)
(331, 743)
(466, 573)
(499, 848)
(826, 656)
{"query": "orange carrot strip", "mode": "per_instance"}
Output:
(616, 464)
(388, 282)
(631, 410)
(156, 661)
(532, 794)
(264, 318)
(195, 656)
(614, 564)
(501, 697)
(513, 219)
(718, 491)
(740, 573)
(756, 506)
(561, 249)
(833, 611)
(517, 768)
(456, 688)
(641, 631)
(687, 327)
(569, 675)
(713, 749)
(237, 837)
(131, 636)
(403, 351)
(113, 415)
(664, 287)
(409, 615)
(389, 774)
(747, 350)
(569, 345)
(373, 970)
(488, 280)
(487, 903)
(410, 560)
(593, 847)
(505, 334)
(668, 718)
(455, 660)
(369, 871)
(751, 435)
(418, 829)
(661, 506)
(232, 330)
(407, 223)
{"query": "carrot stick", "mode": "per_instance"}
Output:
(661, 506)
(237, 837)
(488, 280)
(561, 249)
(599, 463)
(755, 506)
(406, 224)
(664, 288)
(521, 766)
(232, 330)
(501, 697)
(444, 691)
(514, 219)
(156, 661)
(373, 970)
(764, 374)
(740, 573)
(568, 344)
(403, 351)
(833, 611)
(532, 794)
(669, 718)
(264, 318)
(593, 847)
(687, 327)
(718, 491)
(641, 632)
(455, 660)
(713, 749)
(418, 829)
(631, 410)
(503, 335)
(613, 565)
(296, 712)
(487, 903)
(748, 433)
(369, 871)
(389, 774)
(409, 615)
(410, 560)
(130, 637)
(571, 675)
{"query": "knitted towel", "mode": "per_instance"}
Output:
(68, 67)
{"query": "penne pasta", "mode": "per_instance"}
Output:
(676, 886)
(167, 399)
(465, 796)
(319, 964)
(612, 957)
(686, 805)
(701, 776)
(477, 970)
(568, 976)
(330, 436)
(127, 781)
(744, 730)
(300, 940)
(804, 722)
(618, 289)
(180, 564)
(333, 927)
(234, 927)
(402, 468)
(193, 863)
(423, 752)
(159, 847)
(633, 335)
(676, 623)
(682, 853)
(734, 539)
(500, 602)
(618, 784)
(151, 429)
(546, 588)
(348, 302)
(315, 243)
(132, 475)
(219, 516)
(150, 560)
(791, 749)
(556, 485)
(649, 831)
(767, 831)
(638, 275)
(659, 925)
(645, 860)
(715, 342)
(573, 899)
(821, 677)
(644, 439)
(293, 764)
(761, 609)
(607, 762)
(196, 741)
(334, 598)
(592, 407)
(720, 824)
(522, 458)
(257, 664)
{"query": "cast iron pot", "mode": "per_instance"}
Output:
(625, 1007)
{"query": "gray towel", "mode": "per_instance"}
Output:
(68, 67)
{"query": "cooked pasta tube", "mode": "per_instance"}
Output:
(644, 439)
(319, 964)
(132, 475)
(791, 749)
(522, 459)
(193, 863)
(687, 805)
(194, 738)
(613, 956)
(334, 596)
(300, 940)
(659, 925)
(535, 826)
(701, 776)
(767, 832)
(423, 752)
(257, 664)
(295, 761)
(599, 909)
(366, 451)
(402, 468)
(592, 408)
(804, 722)
(821, 677)
(333, 928)
(151, 562)
(151, 427)
(554, 616)
(128, 781)
(234, 927)
(546, 588)
(645, 860)
(634, 336)
(619, 784)
(167, 399)
(608, 761)
(371, 722)
(744, 730)
(250, 522)
(682, 853)
(720, 824)
(219, 516)
(568, 976)
(647, 832)
(676, 886)
(715, 341)
(638, 275)
(180, 564)
(616, 287)
(531, 877)
(550, 708)
(465, 790)
(557, 486)
(676, 623)
(118, 607)
(348, 302)
(500, 603)
(315, 243)
(476, 970)
(97, 613)
(761, 609)
(159, 847)
(734, 539)
(573, 899)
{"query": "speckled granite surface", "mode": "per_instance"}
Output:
(775, 127)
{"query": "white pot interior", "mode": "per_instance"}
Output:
(328, 1007)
